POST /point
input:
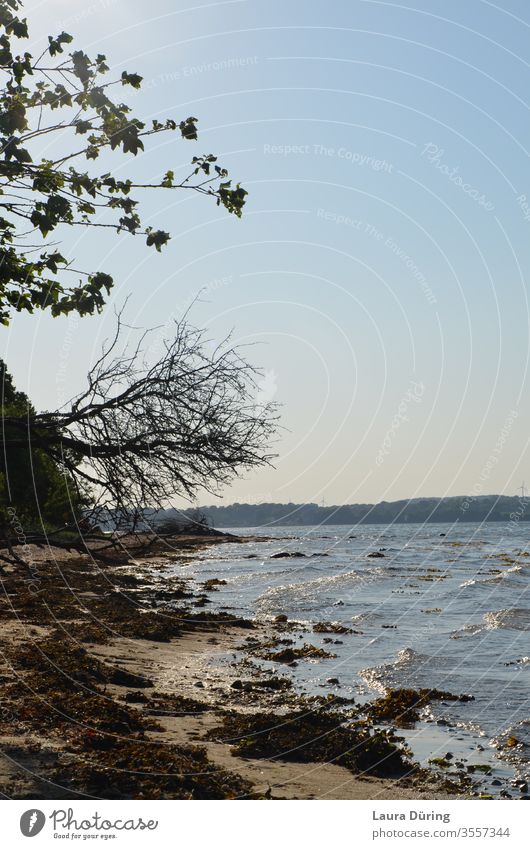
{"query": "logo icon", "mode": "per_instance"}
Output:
(32, 822)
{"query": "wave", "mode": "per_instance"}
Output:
(386, 674)
(313, 592)
(514, 619)
(368, 616)
(263, 576)
(468, 631)
(509, 577)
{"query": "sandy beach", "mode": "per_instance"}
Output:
(117, 683)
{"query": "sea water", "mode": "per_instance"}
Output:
(446, 607)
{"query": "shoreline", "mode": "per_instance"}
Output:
(95, 668)
(200, 661)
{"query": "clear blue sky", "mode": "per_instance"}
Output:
(382, 260)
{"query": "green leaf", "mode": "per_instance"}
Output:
(158, 238)
(188, 129)
(82, 127)
(130, 223)
(232, 199)
(134, 80)
(18, 27)
(82, 66)
(56, 44)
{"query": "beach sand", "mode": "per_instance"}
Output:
(199, 665)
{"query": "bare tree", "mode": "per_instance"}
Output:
(142, 434)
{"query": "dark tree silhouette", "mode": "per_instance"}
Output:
(142, 434)
(33, 488)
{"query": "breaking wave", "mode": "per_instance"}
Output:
(515, 619)
(301, 594)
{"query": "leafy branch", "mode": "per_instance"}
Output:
(39, 195)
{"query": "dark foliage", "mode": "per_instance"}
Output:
(35, 494)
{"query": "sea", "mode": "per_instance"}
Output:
(446, 607)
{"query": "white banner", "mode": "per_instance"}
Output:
(241, 825)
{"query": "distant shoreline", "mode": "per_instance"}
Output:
(285, 524)
(455, 509)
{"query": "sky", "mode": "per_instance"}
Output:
(379, 273)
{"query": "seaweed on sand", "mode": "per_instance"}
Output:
(129, 619)
(208, 620)
(92, 632)
(137, 769)
(273, 683)
(71, 713)
(171, 704)
(59, 689)
(56, 662)
(95, 604)
(305, 736)
(59, 662)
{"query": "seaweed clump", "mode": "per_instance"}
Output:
(289, 655)
(273, 683)
(331, 628)
(106, 752)
(213, 583)
(402, 705)
(306, 737)
(55, 662)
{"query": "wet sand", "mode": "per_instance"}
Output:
(199, 665)
(192, 659)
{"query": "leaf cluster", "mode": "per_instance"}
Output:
(67, 96)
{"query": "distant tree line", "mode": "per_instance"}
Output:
(487, 508)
